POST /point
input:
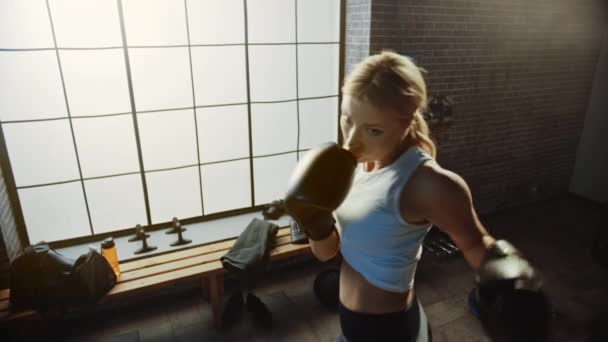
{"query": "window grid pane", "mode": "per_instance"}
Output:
(276, 98)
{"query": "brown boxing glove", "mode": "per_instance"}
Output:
(511, 302)
(318, 185)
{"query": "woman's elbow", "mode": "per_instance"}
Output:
(326, 249)
(325, 255)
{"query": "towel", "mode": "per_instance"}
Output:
(248, 256)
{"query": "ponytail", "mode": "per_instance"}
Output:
(419, 132)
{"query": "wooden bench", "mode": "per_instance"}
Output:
(201, 262)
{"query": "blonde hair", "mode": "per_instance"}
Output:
(392, 81)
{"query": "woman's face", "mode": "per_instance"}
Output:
(369, 133)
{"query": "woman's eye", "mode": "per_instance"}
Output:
(374, 131)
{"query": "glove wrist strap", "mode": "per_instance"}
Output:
(320, 230)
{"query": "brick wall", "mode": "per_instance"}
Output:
(12, 244)
(4, 265)
(520, 73)
(357, 27)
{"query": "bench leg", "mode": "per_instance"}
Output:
(220, 285)
(205, 288)
(216, 289)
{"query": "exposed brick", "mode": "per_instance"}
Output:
(8, 233)
(356, 45)
(520, 73)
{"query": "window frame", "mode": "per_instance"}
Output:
(12, 188)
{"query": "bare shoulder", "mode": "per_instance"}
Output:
(432, 179)
(432, 185)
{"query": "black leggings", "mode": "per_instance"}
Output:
(405, 326)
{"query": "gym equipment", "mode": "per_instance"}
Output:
(176, 227)
(297, 234)
(144, 238)
(327, 288)
(180, 239)
(139, 234)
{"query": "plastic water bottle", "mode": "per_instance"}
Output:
(108, 250)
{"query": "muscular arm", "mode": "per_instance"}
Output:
(326, 249)
(509, 295)
(446, 202)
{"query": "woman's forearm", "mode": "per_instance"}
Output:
(474, 253)
(327, 248)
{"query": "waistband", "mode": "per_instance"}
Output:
(403, 325)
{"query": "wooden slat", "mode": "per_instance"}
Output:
(197, 270)
(285, 251)
(164, 278)
(5, 312)
(182, 263)
(4, 294)
(15, 315)
(187, 253)
(170, 266)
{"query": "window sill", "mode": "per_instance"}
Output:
(200, 233)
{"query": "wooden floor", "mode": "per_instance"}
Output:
(556, 234)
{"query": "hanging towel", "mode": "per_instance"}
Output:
(249, 255)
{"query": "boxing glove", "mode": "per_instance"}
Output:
(510, 300)
(318, 185)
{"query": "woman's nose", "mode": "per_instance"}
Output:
(351, 145)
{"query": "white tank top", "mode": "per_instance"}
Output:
(375, 240)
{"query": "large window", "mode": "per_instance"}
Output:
(125, 112)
